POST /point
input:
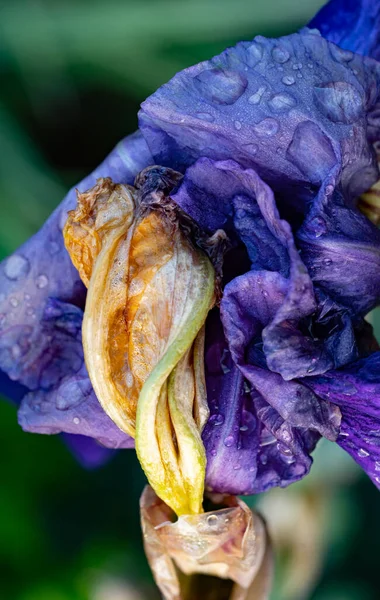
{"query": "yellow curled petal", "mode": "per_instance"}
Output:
(187, 282)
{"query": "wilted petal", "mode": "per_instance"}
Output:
(249, 447)
(229, 542)
(285, 106)
(290, 399)
(42, 269)
(341, 249)
(354, 25)
(356, 390)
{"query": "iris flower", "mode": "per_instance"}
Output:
(227, 256)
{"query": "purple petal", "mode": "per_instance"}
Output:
(250, 448)
(286, 107)
(40, 321)
(354, 25)
(356, 390)
(87, 451)
(62, 398)
(341, 249)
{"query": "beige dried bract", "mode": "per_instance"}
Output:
(230, 543)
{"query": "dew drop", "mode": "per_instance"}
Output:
(363, 453)
(16, 267)
(229, 441)
(254, 54)
(76, 420)
(237, 467)
(212, 521)
(237, 125)
(30, 311)
(244, 428)
(13, 301)
(16, 351)
(252, 469)
(267, 127)
(282, 102)
(216, 420)
(257, 96)
(53, 248)
(263, 459)
(377, 466)
(220, 86)
(205, 117)
(129, 379)
(341, 55)
(42, 281)
(288, 80)
(327, 262)
(280, 55)
(252, 148)
(339, 101)
(318, 226)
(329, 189)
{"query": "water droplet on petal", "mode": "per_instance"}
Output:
(363, 453)
(237, 467)
(339, 101)
(237, 125)
(16, 267)
(16, 351)
(318, 226)
(13, 301)
(257, 96)
(42, 281)
(267, 127)
(53, 248)
(216, 420)
(205, 117)
(254, 54)
(76, 420)
(327, 262)
(329, 189)
(212, 520)
(288, 80)
(263, 459)
(229, 441)
(252, 148)
(30, 311)
(280, 55)
(341, 55)
(220, 86)
(377, 466)
(282, 102)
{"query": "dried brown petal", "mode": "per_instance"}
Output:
(229, 543)
(105, 207)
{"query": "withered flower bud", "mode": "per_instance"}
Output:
(150, 289)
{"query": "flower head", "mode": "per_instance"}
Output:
(275, 142)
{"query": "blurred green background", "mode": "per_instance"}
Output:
(72, 76)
